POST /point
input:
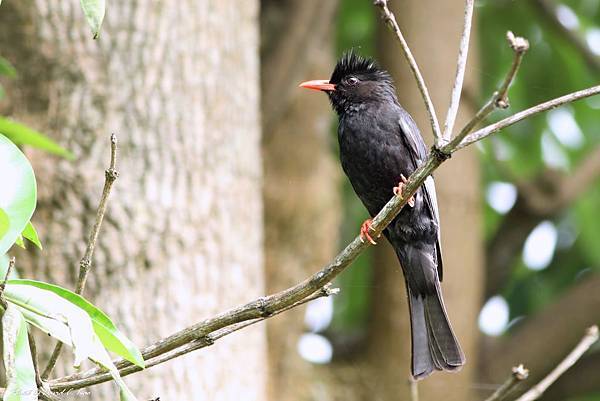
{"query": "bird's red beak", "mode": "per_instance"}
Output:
(318, 84)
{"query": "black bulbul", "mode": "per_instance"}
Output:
(380, 145)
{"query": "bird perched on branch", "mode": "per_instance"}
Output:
(380, 145)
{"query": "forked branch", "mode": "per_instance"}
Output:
(499, 99)
(390, 21)
(590, 337)
(519, 374)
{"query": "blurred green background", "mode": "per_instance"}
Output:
(557, 242)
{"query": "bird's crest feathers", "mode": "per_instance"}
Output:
(352, 63)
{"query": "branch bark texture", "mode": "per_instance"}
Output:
(519, 373)
(461, 66)
(590, 337)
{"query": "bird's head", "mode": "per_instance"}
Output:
(355, 81)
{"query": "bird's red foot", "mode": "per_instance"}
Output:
(400, 188)
(364, 232)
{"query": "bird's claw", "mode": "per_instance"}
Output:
(400, 188)
(364, 232)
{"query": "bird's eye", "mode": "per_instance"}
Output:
(351, 80)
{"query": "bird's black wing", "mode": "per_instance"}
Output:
(412, 138)
(418, 152)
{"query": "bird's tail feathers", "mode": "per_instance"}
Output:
(434, 345)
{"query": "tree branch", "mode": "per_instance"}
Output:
(97, 375)
(522, 115)
(524, 344)
(519, 374)
(11, 265)
(85, 264)
(202, 334)
(110, 176)
(390, 21)
(461, 65)
(590, 337)
(414, 390)
(577, 382)
(500, 98)
(195, 336)
(34, 357)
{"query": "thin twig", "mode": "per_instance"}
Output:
(34, 358)
(44, 390)
(519, 373)
(522, 115)
(11, 265)
(110, 175)
(414, 390)
(461, 65)
(590, 337)
(390, 21)
(499, 99)
(95, 376)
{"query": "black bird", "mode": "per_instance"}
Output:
(380, 144)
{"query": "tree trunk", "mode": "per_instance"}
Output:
(301, 190)
(182, 239)
(432, 29)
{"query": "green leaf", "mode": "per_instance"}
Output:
(6, 68)
(18, 191)
(73, 334)
(94, 13)
(4, 223)
(32, 235)
(20, 373)
(50, 326)
(19, 242)
(43, 307)
(23, 135)
(51, 306)
(104, 328)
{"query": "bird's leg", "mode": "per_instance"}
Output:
(364, 232)
(400, 188)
